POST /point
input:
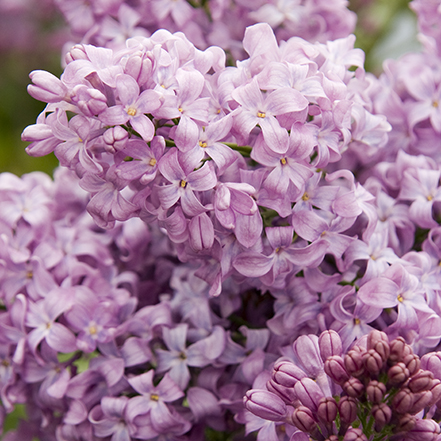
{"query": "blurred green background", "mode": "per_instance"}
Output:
(386, 28)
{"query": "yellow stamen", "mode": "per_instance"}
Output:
(305, 197)
(429, 197)
(202, 144)
(154, 397)
(283, 161)
(131, 111)
(92, 330)
(357, 321)
(261, 114)
(152, 162)
(400, 298)
(183, 184)
(435, 104)
(181, 109)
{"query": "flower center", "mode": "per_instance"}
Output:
(400, 298)
(261, 114)
(429, 197)
(152, 162)
(202, 144)
(92, 330)
(305, 197)
(154, 397)
(283, 161)
(131, 111)
(183, 183)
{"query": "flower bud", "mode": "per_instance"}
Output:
(382, 414)
(405, 423)
(412, 362)
(420, 381)
(353, 387)
(287, 373)
(90, 101)
(398, 350)
(329, 344)
(309, 393)
(265, 405)
(424, 430)
(335, 368)
(375, 391)
(436, 391)
(332, 438)
(398, 374)
(347, 408)
(115, 138)
(379, 341)
(421, 400)
(372, 361)
(287, 394)
(432, 363)
(327, 409)
(303, 419)
(46, 87)
(402, 402)
(354, 363)
(353, 434)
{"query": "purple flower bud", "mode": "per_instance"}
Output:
(46, 87)
(379, 341)
(353, 387)
(405, 423)
(286, 393)
(309, 393)
(335, 368)
(382, 414)
(303, 419)
(375, 391)
(421, 400)
(398, 374)
(372, 361)
(436, 391)
(76, 53)
(420, 381)
(354, 363)
(327, 409)
(332, 438)
(115, 138)
(412, 362)
(287, 374)
(432, 362)
(424, 430)
(402, 402)
(265, 405)
(347, 408)
(355, 434)
(398, 350)
(329, 344)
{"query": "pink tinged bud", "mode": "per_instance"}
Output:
(405, 423)
(382, 414)
(398, 350)
(379, 341)
(398, 374)
(420, 381)
(286, 393)
(76, 53)
(354, 363)
(412, 362)
(335, 369)
(432, 362)
(424, 430)
(287, 374)
(355, 434)
(327, 409)
(372, 361)
(303, 419)
(332, 438)
(402, 402)
(353, 387)
(421, 400)
(265, 405)
(436, 391)
(309, 393)
(347, 408)
(46, 87)
(115, 138)
(375, 391)
(329, 344)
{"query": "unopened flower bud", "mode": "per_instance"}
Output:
(405, 423)
(382, 414)
(355, 434)
(303, 419)
(421, 400)
(347, 408)
(432, 363)
(398, 350)
(372, 361)
(332, 438)
(77, 52)
(354, 363)
(287, 373)
(420, 381)
(436, 391)
(379, 341)
(329, 344)
(375, 391)
(115, 138)
(327, 409)
(46, 87)
(265, 405)
(398, 374)
(424, 430)
(335, 368)
(309, 393)
(402, 402)
(412, 362)
(286, 393)
(353, 387)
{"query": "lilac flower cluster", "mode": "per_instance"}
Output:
(221, 23)
(377, 390)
